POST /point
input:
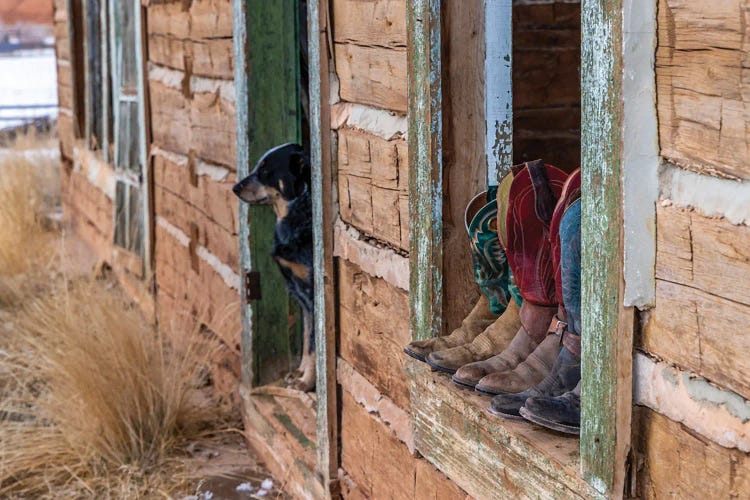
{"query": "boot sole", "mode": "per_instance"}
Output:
(507, 416)
(460, 382)
(549, 424)
(414, 355)
(489, 392)
(439, 368)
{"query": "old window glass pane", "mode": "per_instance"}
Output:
(128, 138)
(121, 214)
(94, 75)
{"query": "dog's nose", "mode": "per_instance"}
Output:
(237, 189)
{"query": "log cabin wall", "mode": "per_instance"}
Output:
(191, 91)
(691, 368)
(192, 157)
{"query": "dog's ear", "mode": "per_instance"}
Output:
(299, 166)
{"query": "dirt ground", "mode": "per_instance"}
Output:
(213, 463)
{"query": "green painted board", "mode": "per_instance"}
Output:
(270, 68)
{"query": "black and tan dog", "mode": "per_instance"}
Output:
(281, 178)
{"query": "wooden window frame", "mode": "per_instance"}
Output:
(139, 259)
(607, 322)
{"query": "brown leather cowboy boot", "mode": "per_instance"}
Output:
(475, 323)
(479, 213)
(534, 321)
(494, 338)
(532, 198)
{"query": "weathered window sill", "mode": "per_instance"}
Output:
(490, 457)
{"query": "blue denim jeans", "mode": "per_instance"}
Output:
(570, 264)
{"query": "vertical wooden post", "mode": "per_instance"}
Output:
(144, 140)
(498, 82)
(323, 210)
(425, 168)
(242, 108)
(606, 391)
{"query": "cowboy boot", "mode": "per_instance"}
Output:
(497, 336)
(533, 319)
(491, 273)
(566, 373)
(531, 202)
(561, 413)
(541, 362)
(475, 323)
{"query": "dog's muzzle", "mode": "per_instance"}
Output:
(250, 191)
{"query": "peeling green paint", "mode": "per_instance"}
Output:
(425, 168)
(295, 431)
(601, 143)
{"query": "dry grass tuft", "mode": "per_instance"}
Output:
(94, 402)
(29, 192)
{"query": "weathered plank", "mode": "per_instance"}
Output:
(372, 209)
(374, 23)
(194, 20)
(190, 219)
(280, 426)
(490, 457)
(62, 42)
(679, 464)
(200, 124)
(703, 91)
(374, 327)
(367, 155)
(700, 252)
(606, 362)
(372, 75)
(698, 331)
(463, 149)
(373, 176)
(211, 196)
(210, 57)
(381, 465)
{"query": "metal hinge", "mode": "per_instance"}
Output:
(252, 285)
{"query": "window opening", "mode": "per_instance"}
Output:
(546, 123)
(94, 74)
(129, 127)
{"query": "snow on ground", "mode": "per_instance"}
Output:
(27, 77)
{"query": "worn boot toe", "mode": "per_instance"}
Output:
(475, 323)
(422, 348)
(470, 374)
(562, 413)
(450, 360)
(508, 405)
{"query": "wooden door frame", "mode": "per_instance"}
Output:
(322, 149)
(258, 129)
(324, 207)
